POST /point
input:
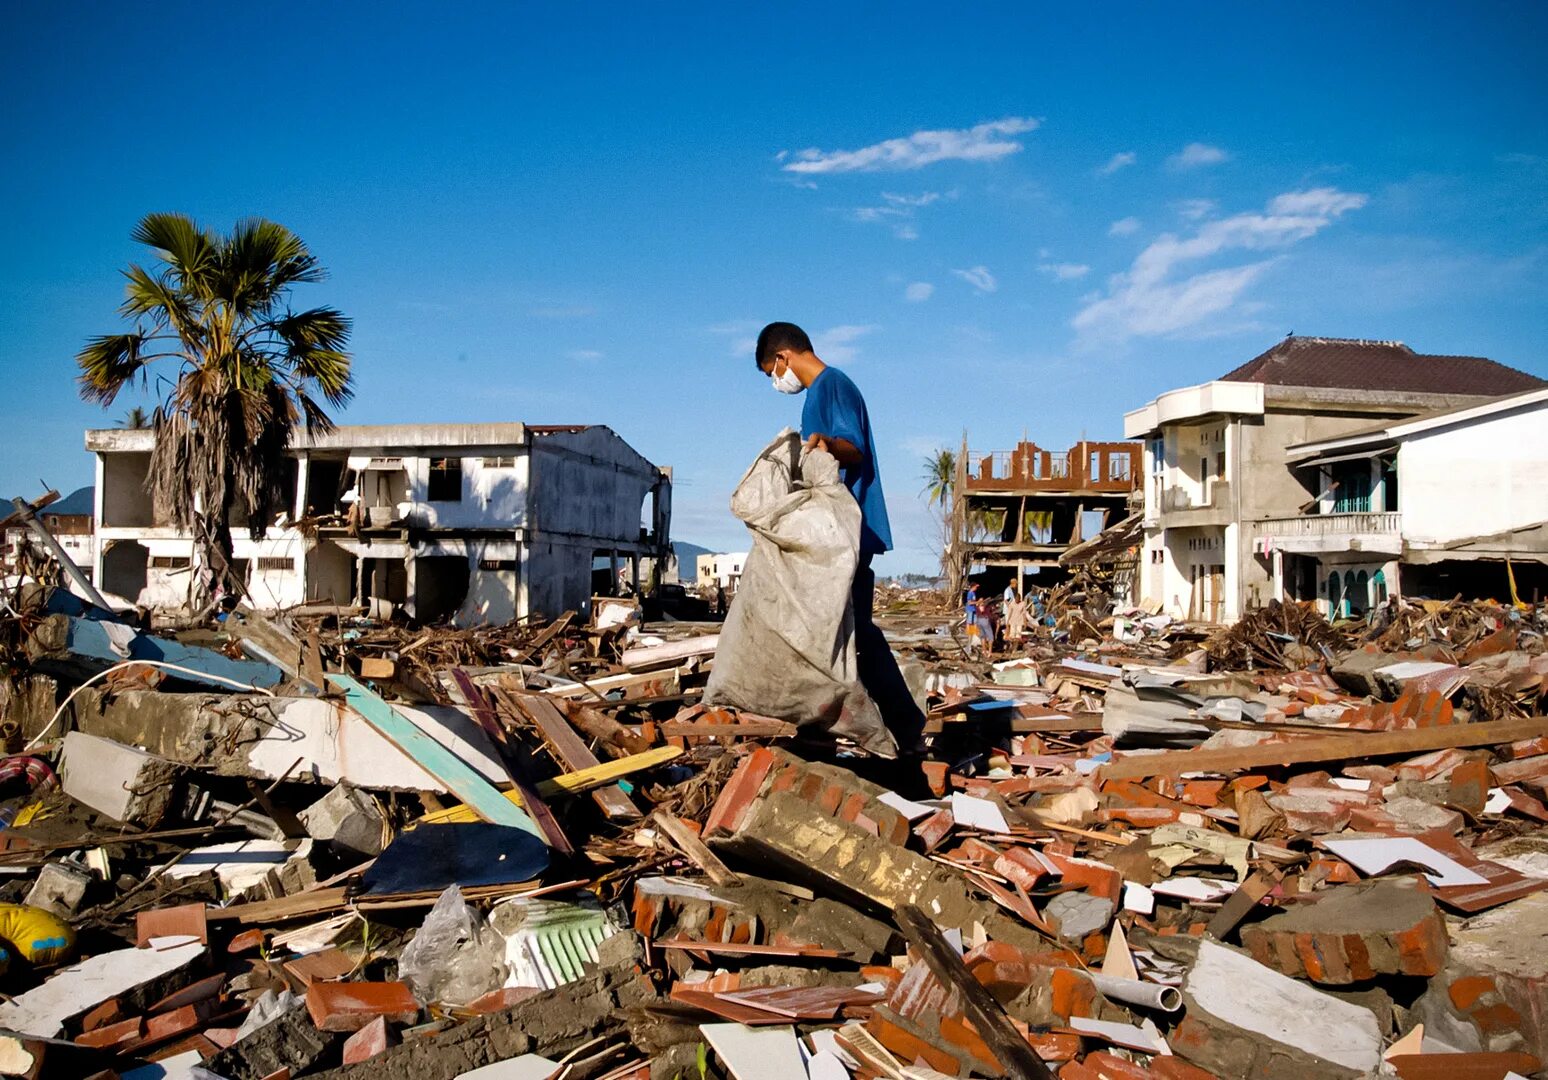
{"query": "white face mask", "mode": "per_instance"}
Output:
(787, 383)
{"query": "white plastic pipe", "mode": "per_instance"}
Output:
(1135, 992)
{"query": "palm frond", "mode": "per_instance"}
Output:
(260, 261)
(149, 296)
(108, 363)
(314, 343)
(317, 421)
(189, 251)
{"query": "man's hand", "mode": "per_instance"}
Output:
(843, 451)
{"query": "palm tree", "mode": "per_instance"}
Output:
(245, 369)
(136, 419)
(940, 475)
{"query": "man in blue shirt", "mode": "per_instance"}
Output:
(834, 418)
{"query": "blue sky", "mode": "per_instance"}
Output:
(1001, 218)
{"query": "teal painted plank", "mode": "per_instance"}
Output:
(461, 779)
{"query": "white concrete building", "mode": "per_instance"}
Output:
(721, 570)
(1216, 466)
(481, 523)
(1435, 505)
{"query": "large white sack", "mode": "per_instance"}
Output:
(787, 648)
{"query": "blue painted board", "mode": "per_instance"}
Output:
(460, 778)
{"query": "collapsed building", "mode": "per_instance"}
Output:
(478, 523)
(1231, 471)
(1018, 511)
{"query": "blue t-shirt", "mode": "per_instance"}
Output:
(835, 408)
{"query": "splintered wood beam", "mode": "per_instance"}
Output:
(573, 753)
(514, 758)
(1014, 1054)
(1351, 743)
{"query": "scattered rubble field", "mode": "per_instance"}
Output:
(316, 844)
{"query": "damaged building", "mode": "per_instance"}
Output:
(1225, 476)
(477, 523)
(1446, 504)
(1015, 512)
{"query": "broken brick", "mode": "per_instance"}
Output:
(336, 1006)
(1353, 933)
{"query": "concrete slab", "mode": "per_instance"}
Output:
(74, 990)
(122, 782)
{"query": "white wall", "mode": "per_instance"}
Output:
(491, 495)
(1475, 479)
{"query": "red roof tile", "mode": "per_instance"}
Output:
(1349, 364)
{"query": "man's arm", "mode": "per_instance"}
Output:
(845, 452)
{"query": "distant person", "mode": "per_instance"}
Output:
(1015, 622)
(970, 617)
(834, 418)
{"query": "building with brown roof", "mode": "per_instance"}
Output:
(1217, 469)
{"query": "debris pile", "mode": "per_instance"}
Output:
(320, 845)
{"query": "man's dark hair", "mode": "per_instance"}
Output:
(777, 336)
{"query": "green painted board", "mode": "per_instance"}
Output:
(461, 779)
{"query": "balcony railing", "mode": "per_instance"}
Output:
(1371, 522)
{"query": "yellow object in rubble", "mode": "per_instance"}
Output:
(35, 935)
(568, 783)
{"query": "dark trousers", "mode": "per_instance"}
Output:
(878, 669)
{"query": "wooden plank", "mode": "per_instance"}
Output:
(684, 840)
(659, 681)
(752, 729)
(513, 757)
(573, 752)
(1013, 1053)
(608, 732)
(568, 784)
(671, 652)
(1236, 907)
(460, 778)
(1352, 744)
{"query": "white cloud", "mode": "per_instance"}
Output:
(1194, 209)
(1124, 227)
(1065, 271)
(983, 142)
(586, 356)
(836, 345)
(1149, 300)
(1118, 161)
(899, 211)
(918, 292)
(979, 277)
(1196, 155)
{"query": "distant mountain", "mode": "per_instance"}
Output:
(688, 558)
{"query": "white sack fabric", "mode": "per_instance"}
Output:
(787, 649)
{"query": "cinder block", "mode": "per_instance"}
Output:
(120, 782)
(347, 820)
(59, 889)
